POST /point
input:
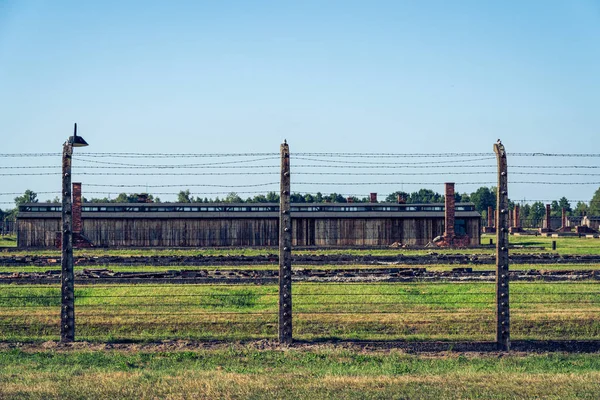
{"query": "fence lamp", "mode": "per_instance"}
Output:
(77, 141)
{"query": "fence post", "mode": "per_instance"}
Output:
(285, 250)
(502, 292)
(67, 312)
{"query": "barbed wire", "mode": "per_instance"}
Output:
(309, 154)
(146, 174)
(442, 183)
(167, 165)
(276, 168)
(182, 185)
(176, 155)
(448, 155)
(296, 157)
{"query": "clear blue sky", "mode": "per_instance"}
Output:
(339, 76)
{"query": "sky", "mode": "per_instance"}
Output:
(327, 76)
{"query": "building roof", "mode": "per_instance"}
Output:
(249, 210)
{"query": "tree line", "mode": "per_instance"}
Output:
(482, 198)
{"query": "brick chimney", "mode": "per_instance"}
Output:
(490, 216)
(517, 222)
(449, 211)
(77, 222)
(373, 197)
(548, 223)
(401, 199)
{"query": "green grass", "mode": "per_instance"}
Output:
(8, 241)
(527, 244)
(380, 311)
(274, 267)
(323, 373)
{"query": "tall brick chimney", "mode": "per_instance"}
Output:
(548, 223)
(490, 216)
(517, 222)
(373, 197)
(449, 211)
(77, 222)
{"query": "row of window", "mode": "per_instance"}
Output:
(253, 208)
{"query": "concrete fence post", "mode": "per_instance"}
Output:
(285, 250)
(67, 312)
(502, 292)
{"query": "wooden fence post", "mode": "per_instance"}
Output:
(285, 250)
(502, 292)
(67, 313)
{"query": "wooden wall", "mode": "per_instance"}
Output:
(118, 232)
(37, 232)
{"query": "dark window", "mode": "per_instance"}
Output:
(460, 227)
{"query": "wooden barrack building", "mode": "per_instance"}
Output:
(245, 224)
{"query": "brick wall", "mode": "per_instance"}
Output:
(77, 223)
(449, 210)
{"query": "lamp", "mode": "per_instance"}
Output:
(77, 141)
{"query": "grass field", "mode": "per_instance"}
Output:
(8, 241)
(322, 311)
(273, 267)
(136, 318)
(319, 373)
(525, 244)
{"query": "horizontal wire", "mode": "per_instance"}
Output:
(150, 314)
(439, 173)
(11, 155)
(144, 174)
(551, 294)
(300, 154)
(184, 185)
(178, 165)
(390, 155)
(176, 155)
(193, 313)
(292, 156)
(449, 155)
(442, 183)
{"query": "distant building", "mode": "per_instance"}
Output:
(244, 224)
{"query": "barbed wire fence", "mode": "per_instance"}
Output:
(335, 310)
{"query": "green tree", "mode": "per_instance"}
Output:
(537, 213)
(393, 197)
(594, 208)
(564, 203)
(309, 198)
(134, 198)
(260, 198)
(555, 210)
(28, 197)
(272, 197)
(483, 198)
(233, 198)
(581, 209)
(425, 196)
(184, 196)
(297, 198)
(525, 211)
